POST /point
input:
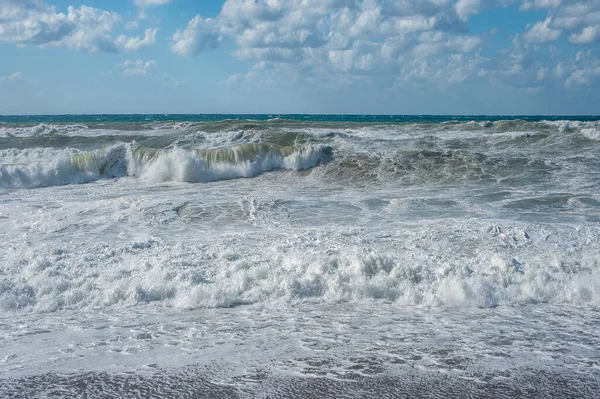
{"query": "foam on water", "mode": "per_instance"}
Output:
(461, 255)
(41, 129)
(591, 133)
(265, 257)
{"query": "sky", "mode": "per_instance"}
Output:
(470, 57)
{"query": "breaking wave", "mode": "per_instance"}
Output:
(41, 129)
(48, 167)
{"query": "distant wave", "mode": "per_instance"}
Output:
(278, 123)
(40, 129)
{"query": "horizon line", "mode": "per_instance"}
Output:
(287, 114)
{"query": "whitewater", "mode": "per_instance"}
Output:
(299, 256)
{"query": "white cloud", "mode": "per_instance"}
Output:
(579, 18)
(539, 4)
(444, 72)
(541, 32)
(340, 40)
(586, 69)
(15, 77)
(559, 70)
(136, 43)
(92, 28)
(528, 65)
(200, 35)
(36, 23)
(588, 35)
(359, 59)
(542, 73)
(440, 43)
(138, 67)
(314, 24)
(464, 8)
(331, 23)
(577, 78)
(33, 22)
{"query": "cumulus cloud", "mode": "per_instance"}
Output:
(579, 18)
(268, 27)
(541, 32)
(342, 40)
(464, 8)
(34, 22)
(539, 4)
(588, 35)
(444, 72)
(15, 77)
(585, 70)
(530, 67)
(136, 43)
(432, 44)
(138, 67)
(199, 35)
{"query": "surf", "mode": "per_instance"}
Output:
(48, 167)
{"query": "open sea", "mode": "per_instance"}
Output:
(308, 256)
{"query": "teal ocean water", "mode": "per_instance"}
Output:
(141, 118)
(300, 255)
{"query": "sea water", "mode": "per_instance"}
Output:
(299, 256)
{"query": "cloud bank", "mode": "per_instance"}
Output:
(395, 44)
(83, 28)
(404, 43)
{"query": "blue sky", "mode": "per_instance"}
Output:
(300, 56)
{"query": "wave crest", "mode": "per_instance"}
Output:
(173, 164)
(41, 129)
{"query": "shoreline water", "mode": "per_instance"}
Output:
(312, 351)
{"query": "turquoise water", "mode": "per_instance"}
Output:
(26, 119)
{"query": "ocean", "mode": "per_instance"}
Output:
(308, 256)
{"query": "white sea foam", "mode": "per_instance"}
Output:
(568, 125)
(468, 254)
(41, 129)
(42, 167)
(591, 133)
(428, 265)
(173, 125)
(220, 139)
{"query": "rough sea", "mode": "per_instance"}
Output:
(299, 256)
